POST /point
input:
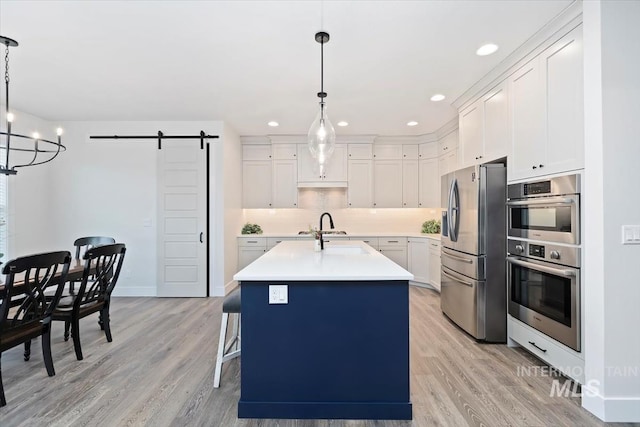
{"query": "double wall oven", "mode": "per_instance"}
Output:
(543, 260)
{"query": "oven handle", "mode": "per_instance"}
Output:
(549, 201)
(456, 279)
(543, 268)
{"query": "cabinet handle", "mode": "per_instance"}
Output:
(374, 155)
(479, 157)
(374, 204)
(534, 167)
(405, 204)
(541, 166)
(269, 156)
(294, 155)
(349, 155)
(252, 241)
(349, 204)
(404, 155)
(269, 204)
(295, 204)
(539, 348)
(392, 241)
(433, 244)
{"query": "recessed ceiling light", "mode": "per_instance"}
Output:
(487, 49)
(412, 123)
(343, 123)
(437, 97)
(273, 124)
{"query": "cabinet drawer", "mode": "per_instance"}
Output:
(392, 241)
(272, 241)
(257, 242)
(555, 354)
(410, 152)
(371, 241)
(256, 152)
(360, 151)
(434, 244)
(387, 151)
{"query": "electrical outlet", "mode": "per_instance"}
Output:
(631, 234)
(278, 294)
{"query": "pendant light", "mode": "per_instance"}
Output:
(322, 136)
(35, 150)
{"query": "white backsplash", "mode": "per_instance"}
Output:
(313, 202)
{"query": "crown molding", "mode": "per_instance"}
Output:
(565, 21)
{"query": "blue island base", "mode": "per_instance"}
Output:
(336, 350)
(324, 410)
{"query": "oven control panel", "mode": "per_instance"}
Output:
(557, 254)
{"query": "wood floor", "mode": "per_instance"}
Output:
(158, 371)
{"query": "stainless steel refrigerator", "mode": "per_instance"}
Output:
(473, 277)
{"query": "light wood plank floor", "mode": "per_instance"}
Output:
(158, 371)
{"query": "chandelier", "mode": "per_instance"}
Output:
(322, 136)
(31, 150)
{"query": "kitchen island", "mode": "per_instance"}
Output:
(334, 341)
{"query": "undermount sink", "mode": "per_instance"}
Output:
(344, 250)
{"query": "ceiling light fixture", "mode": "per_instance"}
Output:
(412, 123)
(29, 155)
(343, 123)
(274, 124)
(487, 49)
(437, 97)
(322, 136)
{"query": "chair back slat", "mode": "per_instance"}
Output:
(101, 271)
(24, 300)
(83, 244)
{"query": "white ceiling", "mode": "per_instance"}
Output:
(249, 62)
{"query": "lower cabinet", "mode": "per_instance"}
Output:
(394, 248)
(250, 249)
(434, 263)
(418, 264)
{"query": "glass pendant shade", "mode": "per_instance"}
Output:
(322, 137)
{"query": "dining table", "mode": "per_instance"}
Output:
(76, 270)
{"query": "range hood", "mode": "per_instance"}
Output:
(322, 184)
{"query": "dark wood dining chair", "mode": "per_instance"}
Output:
(82, 244)
(102, 265)
(25, 310)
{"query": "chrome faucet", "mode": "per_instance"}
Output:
(330, 225)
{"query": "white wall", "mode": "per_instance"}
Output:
(29, 220)
(611, 285)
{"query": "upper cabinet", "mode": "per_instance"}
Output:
(387, 183)
(256, 184)
(547, 112)
(484, 128)
(448, 153)
(335, 170)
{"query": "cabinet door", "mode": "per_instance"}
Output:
(410, 152)
(308, 170)
(527, 122)
(563, 75)
(256, 184)
(472, 134)
(247, 255)
(410, 178)
(285, 184)
(360, 184)
(396, 254)
(360, 151)
(418, 260)
(387, 151)
(284, 151)
(434, 264)
(387, 183)
(428, 150)
(429, 186)
(336, 168)
(496, 123)
(256, 152)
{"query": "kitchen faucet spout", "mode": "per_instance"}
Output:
(330, 225)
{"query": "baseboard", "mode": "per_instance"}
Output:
(138, 291)
(612, 410)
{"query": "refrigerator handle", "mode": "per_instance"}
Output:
(449, 213)
(454, 201)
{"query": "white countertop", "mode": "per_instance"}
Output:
(349, 235)
(296, 260)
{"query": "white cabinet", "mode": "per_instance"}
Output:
(484, 128)
(429, 185)
(547, 111)
(360, 151)
(250, 249)
(360, 184)
(387, 151)
(256, 184)
(410, 152)
(428, 150)
(284, 184)
(387, 183)
(410, 184)
(256, 152)
(272, 241)
(280, 151)
(448, 153)
(434, 263)
(394, 248)
(335, 169)
(418, 256)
